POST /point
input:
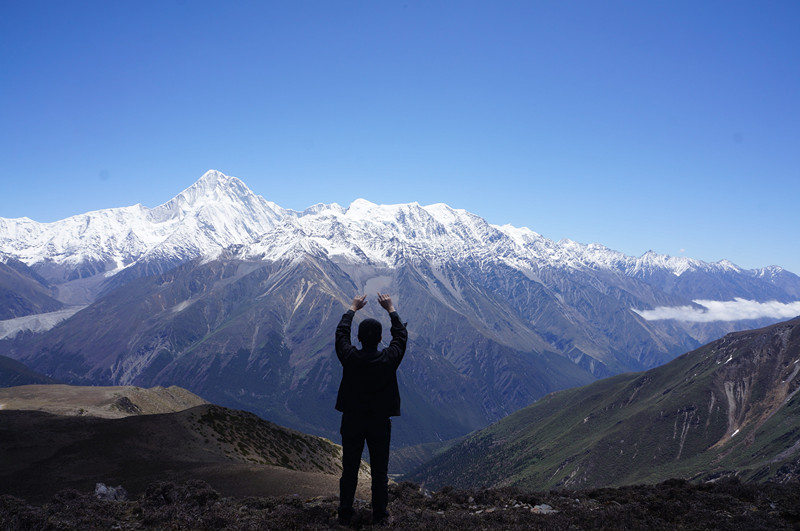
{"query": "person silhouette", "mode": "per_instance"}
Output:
(368, 397)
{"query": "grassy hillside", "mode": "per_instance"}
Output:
(98, 401)
(728, 408)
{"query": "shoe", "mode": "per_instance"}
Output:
(345, 516)
(382, 520)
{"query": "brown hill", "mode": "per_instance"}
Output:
(98, 401)
(236, 452)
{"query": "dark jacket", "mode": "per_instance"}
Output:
(369, 377)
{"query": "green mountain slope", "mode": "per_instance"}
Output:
(730, 407)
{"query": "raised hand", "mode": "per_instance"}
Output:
(386, 302)
(358, 302)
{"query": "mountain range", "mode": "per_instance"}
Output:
(235, 298)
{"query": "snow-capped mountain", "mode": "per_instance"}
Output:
(219, 212)
(235, 298)
(216, 212)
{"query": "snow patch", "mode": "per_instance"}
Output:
(181, 306)
(38, 323)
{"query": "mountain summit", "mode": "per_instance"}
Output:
(214, 213)
(235, 298)
(220, 199)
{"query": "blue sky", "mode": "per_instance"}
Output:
(671, 126)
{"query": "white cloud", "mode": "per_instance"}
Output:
(734, 310)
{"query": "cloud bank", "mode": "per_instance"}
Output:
(735, 310)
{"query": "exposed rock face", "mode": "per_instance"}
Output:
(125, 405)
(107, 493)
(757, 377)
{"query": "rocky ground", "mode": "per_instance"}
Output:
(194, 505)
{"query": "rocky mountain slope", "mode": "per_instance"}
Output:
(258, 336)
(23, 292)
(235, 298)
(728, 408)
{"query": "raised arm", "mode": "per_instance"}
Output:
(397, 347)
(344, 348)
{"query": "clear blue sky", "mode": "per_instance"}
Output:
(672, 126)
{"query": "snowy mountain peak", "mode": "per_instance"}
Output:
(214, 213)
(212, 177)
(769, 272)
(212, 189)
(219, 212)
(321, 208)
(361, 208)
(215, 185)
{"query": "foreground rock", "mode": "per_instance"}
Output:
(195, 505)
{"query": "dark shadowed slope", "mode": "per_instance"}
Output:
(13, 372)
(23, 292)
(237, 453)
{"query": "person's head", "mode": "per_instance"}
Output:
(369, 333)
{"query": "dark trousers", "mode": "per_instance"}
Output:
(376, 430)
